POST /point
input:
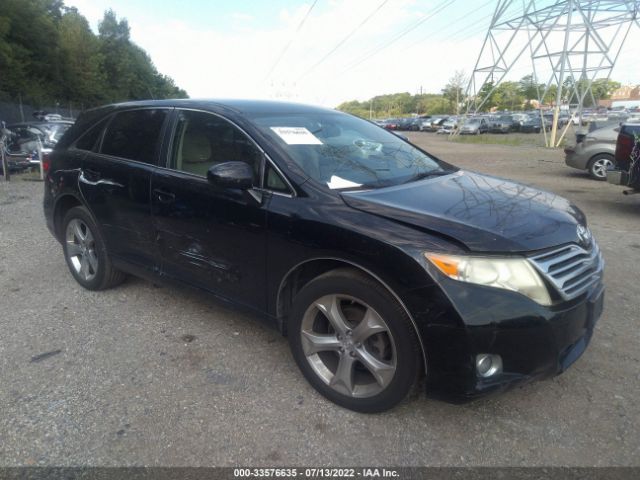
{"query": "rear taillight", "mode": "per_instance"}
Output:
(46, 162)
(624, 147)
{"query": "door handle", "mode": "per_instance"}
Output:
(163, 196)
(102, 181)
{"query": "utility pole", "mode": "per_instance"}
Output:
(565, 38)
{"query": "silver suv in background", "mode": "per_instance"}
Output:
(594, 152)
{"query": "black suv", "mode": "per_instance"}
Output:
(379, 261)
(626, 170)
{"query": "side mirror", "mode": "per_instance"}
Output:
(231, 175)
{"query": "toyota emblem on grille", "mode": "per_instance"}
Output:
(584, 235)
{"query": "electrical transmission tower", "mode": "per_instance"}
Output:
(566, 44)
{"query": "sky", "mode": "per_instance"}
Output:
(315, 51)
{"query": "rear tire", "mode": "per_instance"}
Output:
(85, 252)
(353, 342)
(598, 166)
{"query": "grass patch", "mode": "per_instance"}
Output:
(507, 139)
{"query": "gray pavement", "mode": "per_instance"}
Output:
(162, 376)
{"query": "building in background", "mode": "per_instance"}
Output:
(627, 96)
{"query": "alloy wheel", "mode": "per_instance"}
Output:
(81, 249)
(348, 345)
(600, 167)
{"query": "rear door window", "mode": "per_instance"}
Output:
(135, 135)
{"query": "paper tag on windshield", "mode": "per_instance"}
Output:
(337, 182)
(296, 136)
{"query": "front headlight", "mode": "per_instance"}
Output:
(515, 274)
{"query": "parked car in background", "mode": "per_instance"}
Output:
(411, 124)
(26, 134)
(385, 264)
(405, 123)
(626, 169)
(474, 126)
(391, 123)
(436, 124)
(518, 120)
(581, 133)
(55, 130)
(448, 126)
(533, 124)
(425, 124)
(502, 124)
(16, 162)
(24, 138)
(595, 153)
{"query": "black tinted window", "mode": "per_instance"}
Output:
(274, 181)
(134, 135)
(203, 140)
(90, 138)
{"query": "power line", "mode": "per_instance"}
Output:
(342, 42)
(464, 35)
(375, 51)
(286, 48)
(467, 15)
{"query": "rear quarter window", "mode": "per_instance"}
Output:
(89, 139)
(135, 135)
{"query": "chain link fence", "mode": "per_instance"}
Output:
(16, 112)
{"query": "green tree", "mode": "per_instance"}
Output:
(488, 96)
(454, 91)
(509, 96)
(28, 48)
(81, 60)
(48, 54)
(530, 90)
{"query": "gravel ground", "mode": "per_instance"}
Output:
(147, 375)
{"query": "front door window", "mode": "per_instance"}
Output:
(203, 140)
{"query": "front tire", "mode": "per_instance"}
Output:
(85, 252)
(353, 342)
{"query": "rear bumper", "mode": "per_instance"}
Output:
(48, 206)
(575, 159)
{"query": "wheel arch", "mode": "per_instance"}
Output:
(593, 157)
(302, 273)
(63, 204)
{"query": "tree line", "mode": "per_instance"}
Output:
(510, 95)
(49, 55)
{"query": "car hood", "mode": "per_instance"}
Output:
(486, 214)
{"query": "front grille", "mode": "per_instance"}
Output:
(570, 269)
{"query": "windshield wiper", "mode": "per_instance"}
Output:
(431, 173)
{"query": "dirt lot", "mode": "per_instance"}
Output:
(141, 375)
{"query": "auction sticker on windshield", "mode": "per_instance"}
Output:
(296, 136)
